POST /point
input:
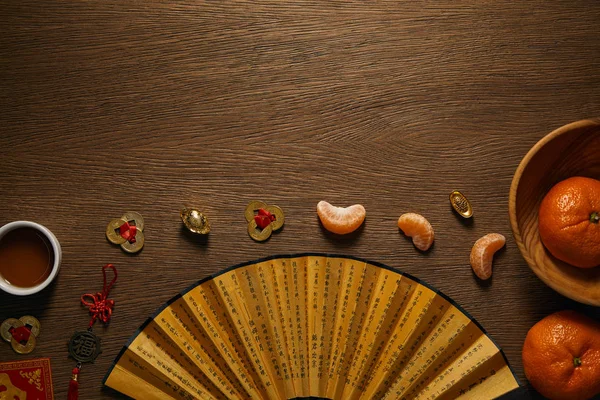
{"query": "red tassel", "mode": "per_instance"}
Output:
(74, 386)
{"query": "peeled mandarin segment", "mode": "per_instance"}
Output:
(482, 254)
(418, 228)
(341, 220)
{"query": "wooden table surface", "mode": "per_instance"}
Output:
(110, 106)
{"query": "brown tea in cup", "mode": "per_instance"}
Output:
(26, 257)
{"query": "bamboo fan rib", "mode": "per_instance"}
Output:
(311, 325)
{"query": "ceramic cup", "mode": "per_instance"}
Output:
(55, 248)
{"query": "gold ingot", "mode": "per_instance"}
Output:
(460, 204)
(5, 328)
(136, 246)
(195, 221)
(136, 218)
(24, 348)
(33, 323)
(112, 231)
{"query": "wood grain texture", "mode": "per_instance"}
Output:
(109, 106)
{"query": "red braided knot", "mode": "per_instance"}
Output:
(100, 307)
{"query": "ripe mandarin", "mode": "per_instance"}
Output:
(561, 356)
(569, 218)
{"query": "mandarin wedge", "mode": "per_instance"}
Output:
(418, 228)
(482, 254)
(341, 220)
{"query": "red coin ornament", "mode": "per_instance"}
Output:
(21, 333)
(127, 232)
(84, 346)
(263, 220)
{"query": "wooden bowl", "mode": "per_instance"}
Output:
(572, 150)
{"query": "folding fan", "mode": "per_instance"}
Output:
(311, 326)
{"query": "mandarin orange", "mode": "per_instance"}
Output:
(561, 356)
(569, 218)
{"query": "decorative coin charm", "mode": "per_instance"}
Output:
(135, 218)
(460, 204)
(263, 219)
(32, 323)
(21, 333)
(112, 231)
(127, 232)
(7, 326)
(136, 246)
(84, 347)
(21, 347)
(195, 221)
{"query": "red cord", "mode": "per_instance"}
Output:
(264, 218)
(128, 232)
(100, 307)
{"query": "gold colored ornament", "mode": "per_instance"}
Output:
(33, 322)
(7, 325)
(26, 348)
(131, 239)
(195, 221)
(136, 218)
(253, 211)
(252, 208)
(137, 245)
(260, 235)
(112, 231)
(460, 204)
(26, 322)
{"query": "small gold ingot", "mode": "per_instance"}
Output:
(195, 221)
(260, 235)
(460, 204)
(33, 323)
(7, 325)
